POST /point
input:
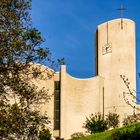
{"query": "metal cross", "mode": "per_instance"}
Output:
(121, 9)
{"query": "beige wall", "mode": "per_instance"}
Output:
(79, 99)
(46, 81)
(120, 62)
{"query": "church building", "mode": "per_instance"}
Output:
(75, 99)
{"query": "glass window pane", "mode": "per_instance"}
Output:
(57, 105)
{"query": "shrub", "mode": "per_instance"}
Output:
(45, 135)
(127, 134)
(95, 123)
(77, 135)
(115, 135)
(131, 119)
(112, 120)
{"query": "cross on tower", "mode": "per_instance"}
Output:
(121, 9)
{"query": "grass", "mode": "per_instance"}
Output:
(107, 134)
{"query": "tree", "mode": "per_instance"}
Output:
(95, 123)
(130, 93)
(20, 48)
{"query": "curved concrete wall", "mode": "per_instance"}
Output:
(79, 99)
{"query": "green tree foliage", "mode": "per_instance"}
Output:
(95, 123)
(20, 47)
(20, 122)
(45, 135)
(112, 120)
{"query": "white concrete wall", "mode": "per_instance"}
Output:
(47, 82)
(122, 61)
(79, 99)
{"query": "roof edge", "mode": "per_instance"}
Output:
(114, 20)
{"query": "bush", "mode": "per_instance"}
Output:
(112, 120)
(131, 119)
(115, 135)
(127, 134)
(45, 135)
(77, 135)
(95, 123)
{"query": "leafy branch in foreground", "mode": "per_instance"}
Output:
(20, 48)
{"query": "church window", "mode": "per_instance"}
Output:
(57, 105)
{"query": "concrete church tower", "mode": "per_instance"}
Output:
(116, 56)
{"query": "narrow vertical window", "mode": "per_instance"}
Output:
(103, 102)
(57, 105)
(96, 51)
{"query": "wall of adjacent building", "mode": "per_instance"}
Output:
(46, 81)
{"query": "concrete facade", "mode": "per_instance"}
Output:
(120, 59)
(79, 98)
(115, 51)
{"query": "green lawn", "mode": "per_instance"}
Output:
(107, 134)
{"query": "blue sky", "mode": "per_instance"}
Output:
(69, 26)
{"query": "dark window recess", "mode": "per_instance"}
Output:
(57, 115)
(57, 85)
(57, 105)
(57, 94)
(96, 50)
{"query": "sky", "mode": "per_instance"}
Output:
(69, 26)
